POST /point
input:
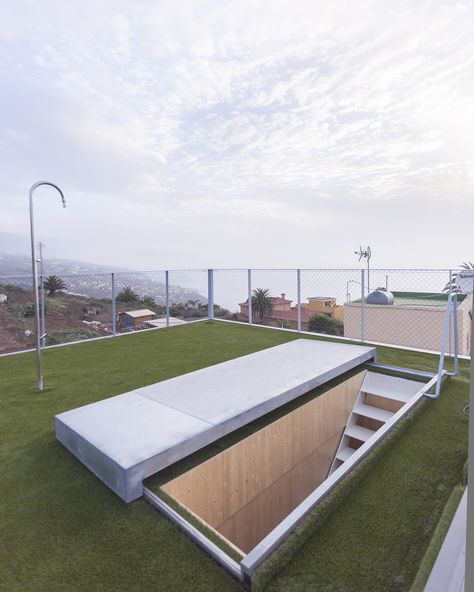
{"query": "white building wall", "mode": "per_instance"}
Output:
(410, 326)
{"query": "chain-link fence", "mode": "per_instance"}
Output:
(390, 306)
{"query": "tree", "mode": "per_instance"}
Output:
(149, 302)
(262, 305)
(53, 284)
(127, 295)
(327, 325)
(452, 286)
(220, 312)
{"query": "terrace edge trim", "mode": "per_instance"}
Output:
(195, 535)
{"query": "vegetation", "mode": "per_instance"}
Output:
(71, 334)
(54, 284)
(150, 303)
(64, 529)
(196, 309)
(127, 295)
(11, 288)
(262, 305)
(452, 286)
(321, 324)
(28, 310)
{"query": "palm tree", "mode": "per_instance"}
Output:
(149, 302)
(127, 295)
(261, 303)
(452, 286)
(53, 284)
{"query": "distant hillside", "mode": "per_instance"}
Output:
(89, 279)
(20, 264)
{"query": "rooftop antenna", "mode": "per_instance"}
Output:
(367, 254)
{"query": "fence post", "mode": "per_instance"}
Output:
(114, 315)
(456, 335)
(167, 297)
(249, 284)
(210, 294)
(298, 296)
(362, 305)
(450, 289)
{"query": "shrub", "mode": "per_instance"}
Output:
(71, 334)
(321, 324)
(12, 289)
(28, 310)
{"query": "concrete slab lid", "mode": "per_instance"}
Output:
(126, 438)
(128, 428)
(218, 393)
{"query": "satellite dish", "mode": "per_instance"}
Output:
(465, 281)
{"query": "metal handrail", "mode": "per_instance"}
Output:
(451, 309)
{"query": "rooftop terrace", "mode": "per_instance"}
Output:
(64, 529)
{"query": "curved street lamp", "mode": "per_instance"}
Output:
(348, 296)
(39, 384)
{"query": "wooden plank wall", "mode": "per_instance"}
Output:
(246, 490)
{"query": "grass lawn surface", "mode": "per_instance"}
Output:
(62, 529)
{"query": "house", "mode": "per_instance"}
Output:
(279, 303)
(325, 306)
(286, 315)
(132, 319)
(415, 320)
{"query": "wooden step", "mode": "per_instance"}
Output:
(372, 412)
(387, 394)
(390, 387)
(345, 453)
(359, 433)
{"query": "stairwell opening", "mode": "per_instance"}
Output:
(244, 492)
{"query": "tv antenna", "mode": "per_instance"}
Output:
(367, 254)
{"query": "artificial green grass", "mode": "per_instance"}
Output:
(376, 539)
(62, 529)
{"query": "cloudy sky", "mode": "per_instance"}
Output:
(238, 134)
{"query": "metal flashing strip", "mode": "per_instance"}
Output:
(400, 370)
(448, 572)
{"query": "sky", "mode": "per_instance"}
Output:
(196, 134)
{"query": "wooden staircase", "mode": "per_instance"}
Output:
(380, 397)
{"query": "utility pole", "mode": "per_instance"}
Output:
(42, 308)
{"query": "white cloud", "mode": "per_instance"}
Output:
(246, 110)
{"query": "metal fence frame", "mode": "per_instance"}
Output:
(247, 276)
